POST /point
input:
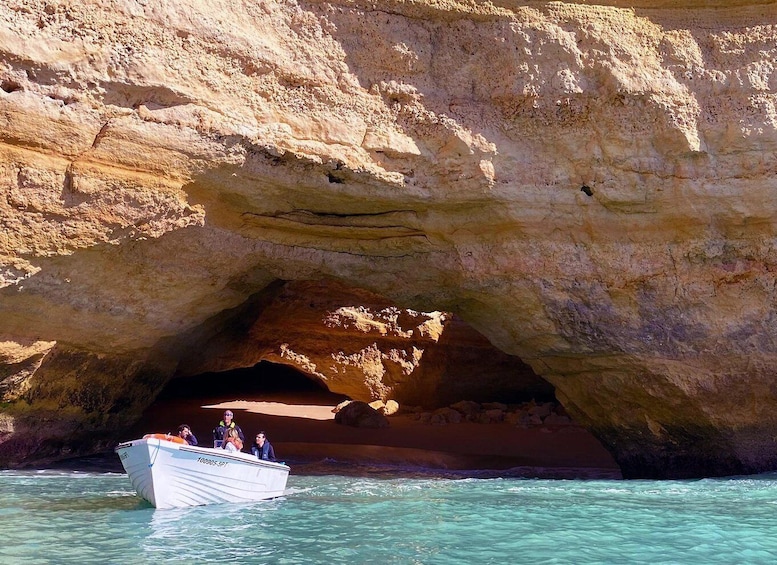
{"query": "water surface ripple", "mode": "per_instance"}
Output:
(69, 517)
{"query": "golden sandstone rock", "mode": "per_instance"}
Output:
(591, 187)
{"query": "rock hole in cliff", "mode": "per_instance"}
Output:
(334, 179)
(10, 86)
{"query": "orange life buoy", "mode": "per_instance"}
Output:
(167, 437)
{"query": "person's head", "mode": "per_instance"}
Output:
(228, 417)
(232, 432)
(260, 437)
(184, 430)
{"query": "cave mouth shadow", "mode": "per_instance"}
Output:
(266, 395)
(265, 381)
(305, 434)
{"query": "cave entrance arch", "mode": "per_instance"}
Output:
(316, 343)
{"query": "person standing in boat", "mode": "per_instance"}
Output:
(224, 425)
(232, 441)
(262, 448)
(185, 433)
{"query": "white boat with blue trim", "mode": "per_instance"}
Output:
(169, 473)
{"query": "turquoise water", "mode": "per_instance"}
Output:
(69, 517)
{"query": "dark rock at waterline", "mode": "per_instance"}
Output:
(361, 415)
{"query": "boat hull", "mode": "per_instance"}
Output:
(173, 475)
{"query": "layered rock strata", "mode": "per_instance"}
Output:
(592, 187)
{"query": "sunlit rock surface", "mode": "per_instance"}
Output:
(592, 188)
(357, 344)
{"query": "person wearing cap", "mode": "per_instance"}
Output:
(226, 424)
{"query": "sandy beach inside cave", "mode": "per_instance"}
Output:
(302, 429)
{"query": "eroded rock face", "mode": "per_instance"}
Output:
(591, 187)
(360, 345)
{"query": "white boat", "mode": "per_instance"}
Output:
(170, 474)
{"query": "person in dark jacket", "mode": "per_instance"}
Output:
(226, 424)
(262, 448)
(185, 432)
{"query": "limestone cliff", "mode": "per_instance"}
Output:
(590, 186)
